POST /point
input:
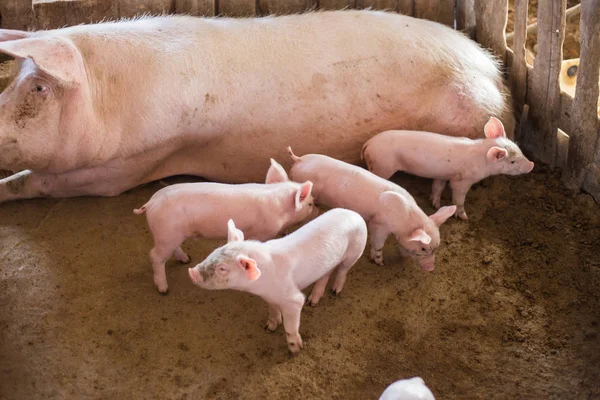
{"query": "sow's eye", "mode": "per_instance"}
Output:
(512, 162)
(40, 88)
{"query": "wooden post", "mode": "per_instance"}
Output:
(518, 70)
(585, 127)
(544, 91)
(195, 7)
(465, 17)
(491, 17)
(435, 10)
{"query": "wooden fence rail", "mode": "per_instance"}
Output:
(554, 127)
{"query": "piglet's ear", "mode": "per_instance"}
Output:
(234, 234)
(302, 194)
(496, 154)
(494, 129)
(195, 275)
(276, 173)
(10, 34)
(57, 57)
(443, 214)
(249, 266)
(419, 235)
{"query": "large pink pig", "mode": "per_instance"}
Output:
(99, 109)
(185, 210)
(387, 208)
(279, 269)
(461, 161)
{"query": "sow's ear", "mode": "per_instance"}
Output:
(249, 266)
(57, 57)
(10, 34)
(276, 173)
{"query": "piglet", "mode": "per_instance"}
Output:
(386, 207)
(279, 269)
(185, 210)
(461, 161)
(407, 389)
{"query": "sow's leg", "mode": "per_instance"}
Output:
(89, 182)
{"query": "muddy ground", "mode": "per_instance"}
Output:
(511, 311)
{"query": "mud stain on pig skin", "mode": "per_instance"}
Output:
(16, 185)
(25, 111)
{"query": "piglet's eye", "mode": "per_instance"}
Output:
(423, 249)
(512, 162)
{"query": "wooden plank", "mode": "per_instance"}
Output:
(435, 10)
(282, 7)
(16, 14)
(236, 8)
(337, 4)
(402, 6)
(491, 17)
(465, 17)
(544, 91)
(518, 66)
(562, 149)
(591, 184)
(566, 105)
(406, 7)
(131, 8)
(585, 127)
(198, 8)
(51, 14)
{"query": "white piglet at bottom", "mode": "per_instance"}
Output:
(279, 269)
(407, 389)
(460, 160)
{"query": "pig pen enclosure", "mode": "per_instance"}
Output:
(511, 311)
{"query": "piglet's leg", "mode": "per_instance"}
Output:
(290, 310)
(378, 234)
(180, 255)
(459, 193)
(159, 256)
(354, 252)
(436, 192)
(274, 318)
(318, 290)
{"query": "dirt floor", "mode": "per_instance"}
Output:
(511, 311)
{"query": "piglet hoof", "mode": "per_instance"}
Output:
(295, 345)
(186, 261)
(462, 215)
(163, 292)
(435, 202)
(312, 301)
(271, 326)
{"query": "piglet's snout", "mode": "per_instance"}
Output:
(427, 264)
